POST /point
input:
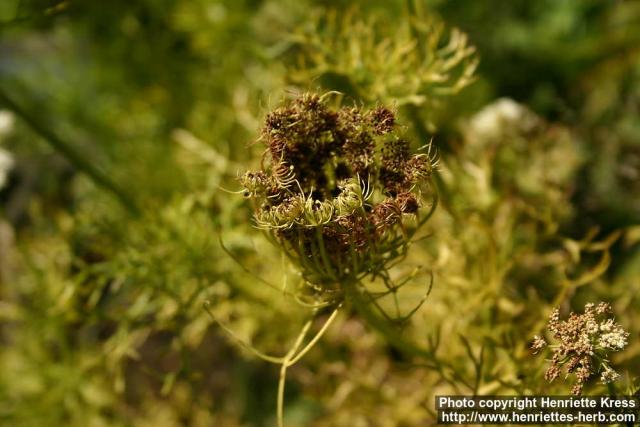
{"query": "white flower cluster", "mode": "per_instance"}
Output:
(612, 336)
(584, 342)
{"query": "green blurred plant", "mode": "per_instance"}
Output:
(415, 63)
(101, 314)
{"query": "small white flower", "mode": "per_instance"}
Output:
(607, 325)
(489, 122)
(609, 375)
(592, 327)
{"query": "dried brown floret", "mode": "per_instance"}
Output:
(408, 202)
(386, 214)
(382, 119)
(354, 231)
(538, 344)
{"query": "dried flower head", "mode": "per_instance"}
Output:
(336, 188)
(584, 344)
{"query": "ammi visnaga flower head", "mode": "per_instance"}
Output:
(339, 190)
(584, 343)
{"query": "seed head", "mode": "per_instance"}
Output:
(336, 187)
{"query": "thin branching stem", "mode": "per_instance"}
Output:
(71, 154)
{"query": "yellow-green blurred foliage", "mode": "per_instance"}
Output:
(534, 108)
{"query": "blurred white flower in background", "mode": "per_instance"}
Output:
(6, 158)
(6, 163)
(493, 119)
(6, 122)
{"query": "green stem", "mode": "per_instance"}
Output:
(66, 150)
(283, 372)
(392, 336)
(293, 355)
(317, 337)
(362, 306)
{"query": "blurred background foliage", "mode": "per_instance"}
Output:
(121, 121)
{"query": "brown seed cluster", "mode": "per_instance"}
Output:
(584, 344)
(335, 184)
